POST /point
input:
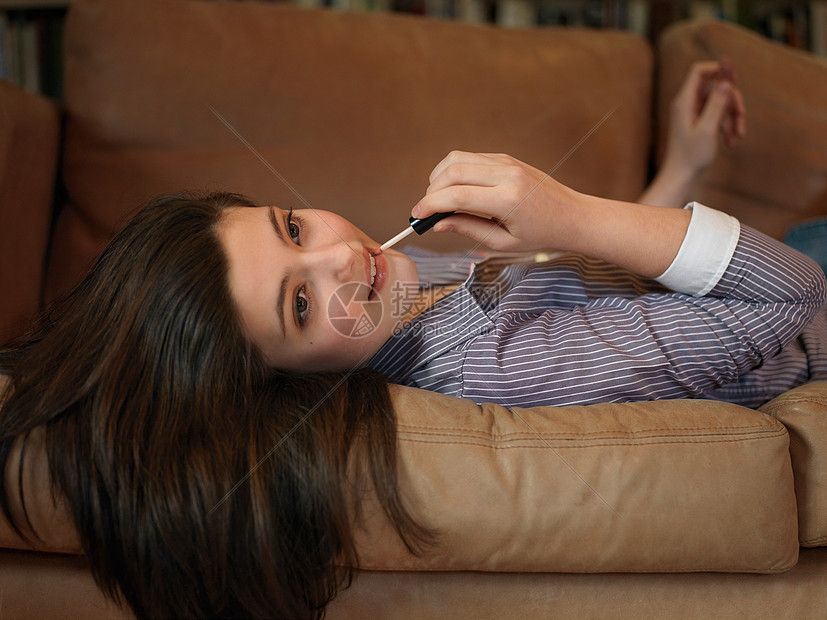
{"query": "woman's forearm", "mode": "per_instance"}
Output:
(640, 238)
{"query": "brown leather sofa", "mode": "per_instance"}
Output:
(689, 509)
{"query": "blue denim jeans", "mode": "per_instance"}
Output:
(810, 238)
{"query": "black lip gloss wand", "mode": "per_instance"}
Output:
(418, 226)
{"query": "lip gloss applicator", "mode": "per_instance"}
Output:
(419, 226)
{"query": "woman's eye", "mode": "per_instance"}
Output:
(302, 305)
(293, 229)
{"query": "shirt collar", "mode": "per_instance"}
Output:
(448, 323)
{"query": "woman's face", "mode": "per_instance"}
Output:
(305, 288)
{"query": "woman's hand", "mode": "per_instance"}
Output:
(708, 108)
(508, 205)
(707, 105)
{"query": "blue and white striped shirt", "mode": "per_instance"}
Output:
(747, 324)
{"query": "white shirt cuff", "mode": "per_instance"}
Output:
(705, 252)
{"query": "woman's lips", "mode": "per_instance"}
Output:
(378, 281)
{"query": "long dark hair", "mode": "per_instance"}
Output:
(201, 481)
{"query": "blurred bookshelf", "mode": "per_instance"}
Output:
(31, 42)
(31, 31)
(801, 24)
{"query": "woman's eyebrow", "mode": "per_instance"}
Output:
(280, 306)
(274, 220)
(271, 213)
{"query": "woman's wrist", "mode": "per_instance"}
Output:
(671, 185)
(680, 168)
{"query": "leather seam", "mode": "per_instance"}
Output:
(787, 402)
(596, 444)
(657, 571)
(704, 431)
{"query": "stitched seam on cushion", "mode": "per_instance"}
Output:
(545, 446)
(649, 432)
(781, 406)
(658, 571)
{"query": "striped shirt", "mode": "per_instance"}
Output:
(738, 316)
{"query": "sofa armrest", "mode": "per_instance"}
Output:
(29, 139)
(669, 486)
(804, 412)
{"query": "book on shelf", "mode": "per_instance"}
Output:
(30, 50)
(818, 27)
(19, 57)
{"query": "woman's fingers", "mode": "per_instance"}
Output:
(465, 173)
(500, 202)
(695, 86)
(485, 201)
(456, 158)
(482, 230)
(725, 70)
(479, 186)
(738, 114)
(713, 115)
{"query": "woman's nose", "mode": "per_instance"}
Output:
(341, 259)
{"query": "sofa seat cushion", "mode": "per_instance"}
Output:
(352, 109)
(668, 486)
(798, 593)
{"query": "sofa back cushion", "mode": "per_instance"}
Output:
(352, 109)
(776, 175)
